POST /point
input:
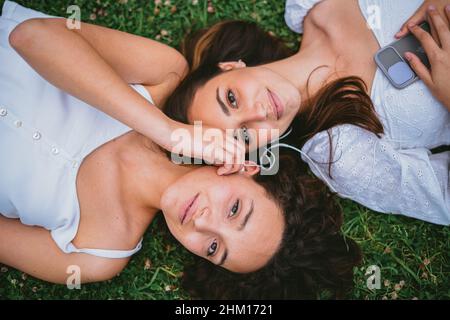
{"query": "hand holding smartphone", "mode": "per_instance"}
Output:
(391, 59)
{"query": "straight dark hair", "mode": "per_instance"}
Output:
(342, 101)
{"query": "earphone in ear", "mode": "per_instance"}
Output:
(272, 160)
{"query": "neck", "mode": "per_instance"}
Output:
(298, 68)
(149, 172)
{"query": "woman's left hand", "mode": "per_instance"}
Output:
(438, 78)
(421, 15)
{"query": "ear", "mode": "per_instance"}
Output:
(250, 169)
(230, 65)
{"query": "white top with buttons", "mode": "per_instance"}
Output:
(45, 134)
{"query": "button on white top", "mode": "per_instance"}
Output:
(3, 112)
(18, 123)
(74, 164)
(55, 150)
(36, 135)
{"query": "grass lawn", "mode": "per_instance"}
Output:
(413, 256)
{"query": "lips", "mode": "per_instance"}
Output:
(276, 103)
(188, 209)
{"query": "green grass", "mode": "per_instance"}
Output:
(414, 256)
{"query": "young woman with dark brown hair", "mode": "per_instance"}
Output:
(79, 188)
(367, 140)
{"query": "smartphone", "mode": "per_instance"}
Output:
(391, 59)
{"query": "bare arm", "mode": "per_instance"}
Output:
(88, 62)
(33, 251)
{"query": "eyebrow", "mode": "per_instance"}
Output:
(241, 227)
(221, 104)
(247, 217)
(224, 257)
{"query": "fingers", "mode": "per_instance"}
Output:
(420, 69)
(223, 170)
(403, 31)
(440, 27)
(430, 46)
(235, 151)
(418, 17)
(234, 165)
(229, 169)
(225, 151)
(433, 31)
(447, 14)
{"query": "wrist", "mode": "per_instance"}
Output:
(169, 136)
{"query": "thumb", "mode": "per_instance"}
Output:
(224, 169)
(419, 68)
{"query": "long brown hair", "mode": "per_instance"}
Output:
(232, 40)
(314, 255)
(342, 101)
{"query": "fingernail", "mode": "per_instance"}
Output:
(408, 56)
(447, 7)
(431, 7)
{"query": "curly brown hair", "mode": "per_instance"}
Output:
(313, 256)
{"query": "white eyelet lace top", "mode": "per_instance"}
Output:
(45, 134)
(397, 173)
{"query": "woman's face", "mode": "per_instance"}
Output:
(243, 98)
(228, 220)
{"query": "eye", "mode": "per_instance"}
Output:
(232, 99)
(235, 209)
(212, 249)
(245, 135)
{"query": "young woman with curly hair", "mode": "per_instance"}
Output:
(80, 188)
(367, 140)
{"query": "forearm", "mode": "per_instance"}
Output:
(32, 250)
(69, 62)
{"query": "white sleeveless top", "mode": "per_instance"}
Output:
(396, 174)
(45, 134)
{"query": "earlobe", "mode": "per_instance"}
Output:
(241, 64)
(230, 65)
(250, 168)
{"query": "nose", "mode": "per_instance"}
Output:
(257, 112)
(204, 220)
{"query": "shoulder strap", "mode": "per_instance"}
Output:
(104, 253)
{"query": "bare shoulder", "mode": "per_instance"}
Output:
(324, 13)
(331, 15)
(108, 211)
